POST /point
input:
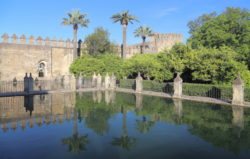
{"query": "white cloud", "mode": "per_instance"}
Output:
(165, 12)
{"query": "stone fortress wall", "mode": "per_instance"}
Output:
(44, 58)
(157, 42)
(48, 59)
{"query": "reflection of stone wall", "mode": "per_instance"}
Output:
(46, 109)
(21, 55)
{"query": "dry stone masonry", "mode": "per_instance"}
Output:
(44, 58)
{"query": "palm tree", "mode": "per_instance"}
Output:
(125, 141)
(76, 19)
(143, 32)
(76, 143)
(124, 18)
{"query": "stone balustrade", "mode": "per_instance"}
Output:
(39, 41)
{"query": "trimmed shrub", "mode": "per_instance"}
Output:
(126, 83)
(207, 90)
(157, 86)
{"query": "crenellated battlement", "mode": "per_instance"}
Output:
(164, 37)
(157, 42)
(39, 41)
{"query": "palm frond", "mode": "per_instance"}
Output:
(143, 31)
(75, 17)
(124, 18)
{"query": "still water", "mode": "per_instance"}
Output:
(118, 125)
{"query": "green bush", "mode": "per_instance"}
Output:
(157, 86)
(247, 94)
(208, 90)
(127, 83)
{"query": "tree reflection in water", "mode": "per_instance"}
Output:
(76, 143)
(144, 125)
(125, 141)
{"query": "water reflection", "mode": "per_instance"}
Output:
(76, 142)
(129, 122)
(31, 110)
(124, 141)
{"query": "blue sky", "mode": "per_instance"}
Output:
(43, 17)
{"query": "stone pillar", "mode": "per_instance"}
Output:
(238, 91)
(66, 82)
(138, 84)
(112, 81)
(26, 83)
(31, 83)
(107, 81)
(99, 81)
(72, 82)
(94, 80)
(79, 82)
(177, 86)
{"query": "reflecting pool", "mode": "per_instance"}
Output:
(116, 125)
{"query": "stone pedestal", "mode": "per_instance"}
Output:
(28, 83)
(177, 86)
(70, 82)
(107, 81)
(79, 82)
(31, 83)
(112, 82)
(94, 80)
(99, 81)
(73, 82)
(138, 84)
(238, 91)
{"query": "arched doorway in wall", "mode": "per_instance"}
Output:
(42, 70)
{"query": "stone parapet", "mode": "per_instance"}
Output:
(39, 41)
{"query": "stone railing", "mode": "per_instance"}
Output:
(23, 40)
(236, 95)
